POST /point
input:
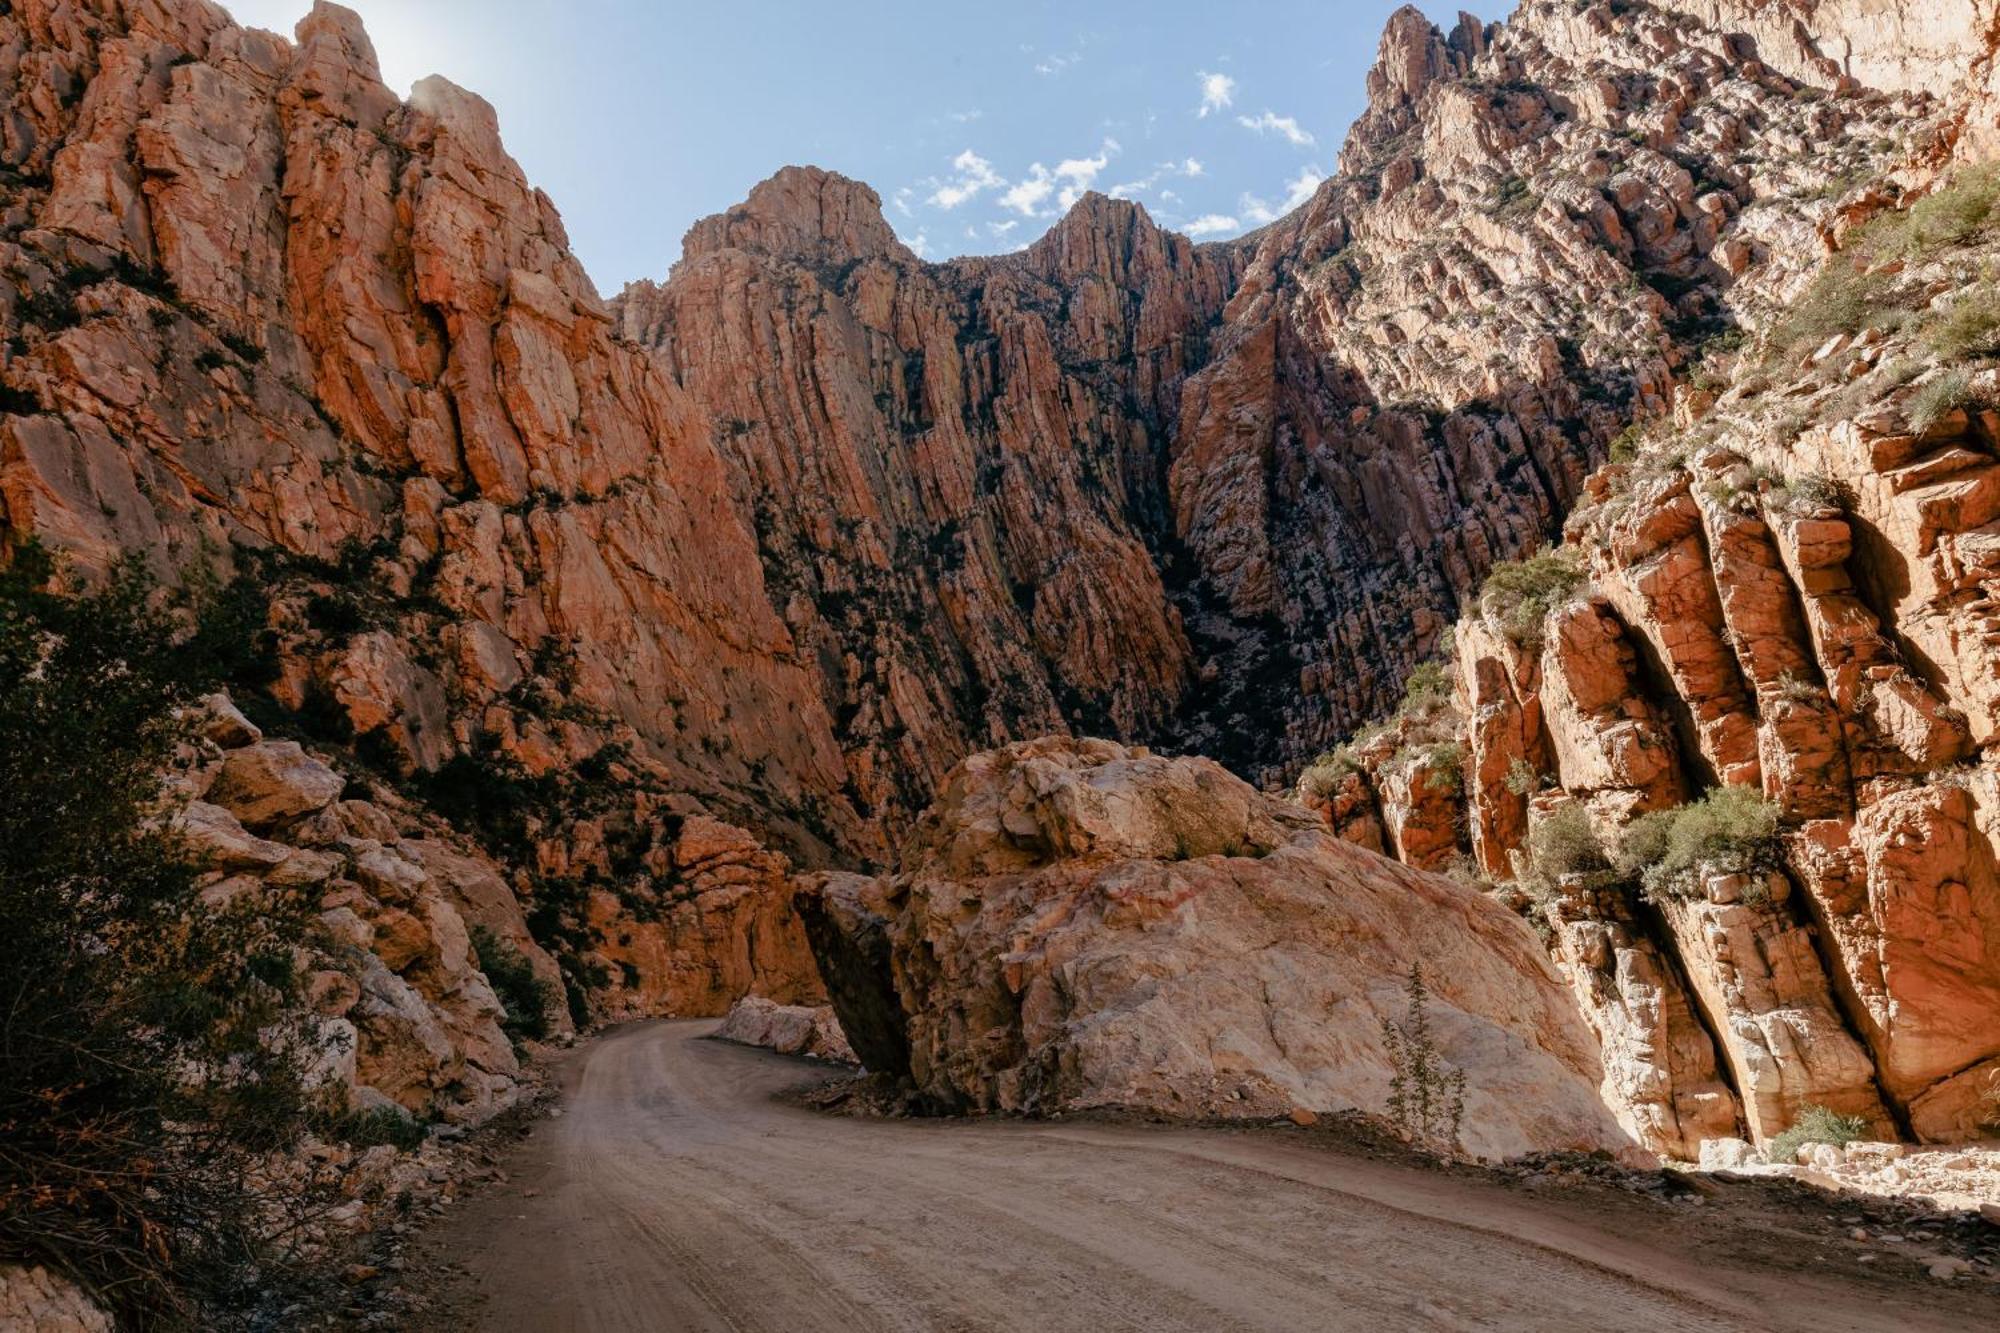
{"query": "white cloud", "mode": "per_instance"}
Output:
(1002, 228)
(1208, 224)
(975, 173)
(1078, 173)
(1301, 187)
(1056, 64)
(1026, 195)
(1129, 189)
(919, 244)
(1066, 184)
(1268, 123)
(1217, 91)
(965, 117)
(902, 200)
(1257, 210)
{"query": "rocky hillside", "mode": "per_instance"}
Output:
(1731, 742)
(643, 593)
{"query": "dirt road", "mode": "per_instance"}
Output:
(675, 1194)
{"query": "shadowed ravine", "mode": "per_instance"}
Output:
(676, 1193)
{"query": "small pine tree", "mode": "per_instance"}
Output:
(1426, 1095)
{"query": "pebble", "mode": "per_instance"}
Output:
(1946, 1268)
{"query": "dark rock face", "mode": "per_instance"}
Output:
(849, 934)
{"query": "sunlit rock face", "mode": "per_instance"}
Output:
(776, 542)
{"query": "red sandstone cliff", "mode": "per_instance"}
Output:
(771, 545)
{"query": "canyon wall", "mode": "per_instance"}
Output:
(1772, 625)
(660, 595)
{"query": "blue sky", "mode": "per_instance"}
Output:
(976, 123)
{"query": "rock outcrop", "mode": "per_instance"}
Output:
(789, 1029)
(407, 1017)
(1079, 925)
(35, 1298)
(658, 596)
(1785, 592)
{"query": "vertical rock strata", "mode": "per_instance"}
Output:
(746, 561)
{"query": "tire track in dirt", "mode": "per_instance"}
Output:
(676, 1194)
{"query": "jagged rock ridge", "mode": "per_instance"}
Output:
(780, 540)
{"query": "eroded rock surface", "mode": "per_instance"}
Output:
(1081, 925)
(36, 1299)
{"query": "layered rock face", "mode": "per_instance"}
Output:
(747, 560)
(408, 1018)
(1081, 925)
(1788, 590)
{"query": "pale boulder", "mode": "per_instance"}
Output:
(789, 1029)
(1079, 925)
(272, 781)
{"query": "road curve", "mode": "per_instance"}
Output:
(674, 1194)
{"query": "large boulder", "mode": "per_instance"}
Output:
(271, 781)
(789, 1029)
(1079, 925)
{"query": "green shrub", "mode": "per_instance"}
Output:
(1816, 1124)
(1427, 688)
(1523, 779)
(1443, 765)
(1426, 1095)
(368, 1129)
(524, 996)
(1939, 398)
(152, 1043)
(1565, 843)
(1970, 327)
(1809, 493)
(1957, 213)
(1519, 594)
(1730, 831)
(1326, 773)
(1845, 298)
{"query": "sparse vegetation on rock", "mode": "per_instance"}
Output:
(154, 1047)
(1519, 594)
(1729, 831)
(1816, 1124)
(1426, 1092)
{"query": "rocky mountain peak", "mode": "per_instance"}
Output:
(803, 213)
(340, 28)
(1412, 56)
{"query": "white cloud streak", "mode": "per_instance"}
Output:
(1210, 224)
(1270, 123)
